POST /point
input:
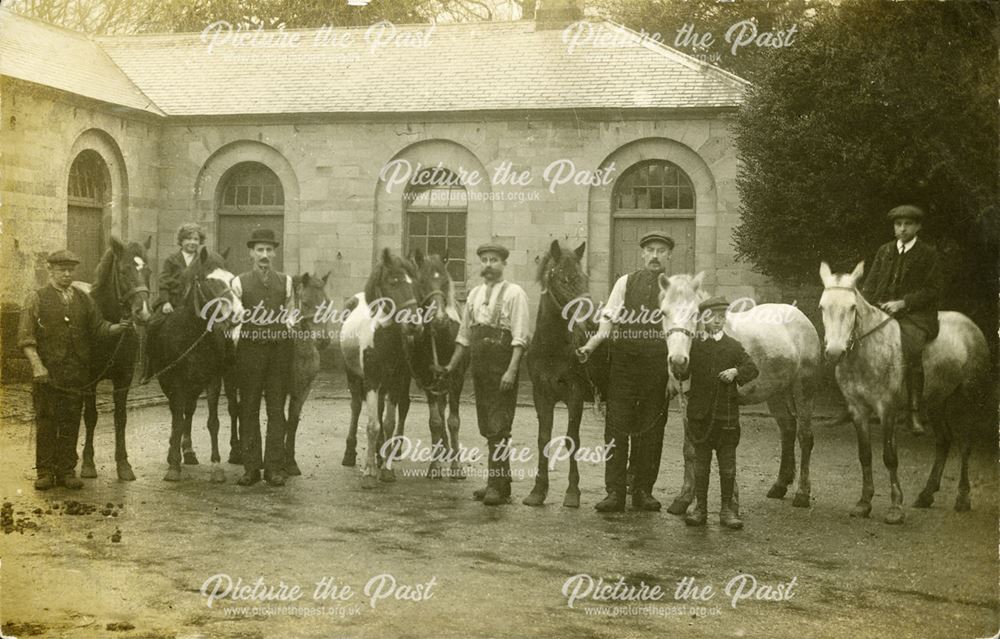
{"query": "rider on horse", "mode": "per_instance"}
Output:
(905, 281)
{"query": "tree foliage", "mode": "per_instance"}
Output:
(883, 103)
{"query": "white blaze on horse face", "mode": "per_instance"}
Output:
(224, 276)
(839, 308)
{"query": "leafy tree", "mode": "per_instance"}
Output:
(883, 103)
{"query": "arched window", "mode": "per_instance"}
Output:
(653, 195)
(435, 209)
(250, 197)
(88, 197)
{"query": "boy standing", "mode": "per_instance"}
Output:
(718, 365)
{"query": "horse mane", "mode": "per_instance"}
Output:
(103, 274)
(543, 267)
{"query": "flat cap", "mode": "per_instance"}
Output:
(63, 257)
(713, 303)
(907, 211)
(493, 247)
(656, 236)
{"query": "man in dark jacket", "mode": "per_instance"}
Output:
(905, 281)
(58, 325)
(718, 365)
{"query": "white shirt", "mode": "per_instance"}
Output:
(513, 312)
(904, 248)
(188, 258)
(616, 300)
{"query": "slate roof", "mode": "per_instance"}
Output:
(51, 56)
(484, 66)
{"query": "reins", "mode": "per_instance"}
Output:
(854, 340)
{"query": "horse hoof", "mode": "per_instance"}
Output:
(387, 475)
(777, 491)
(235, 458)
(435, 471)
(534, 499)
(217, 476)
(125, 472)
(173, 474)
(962, 504)
(368, 482)
(801, 500)
(894, 516)
(190, 458)
(350, 459)
(679, 506)
(861, 509)
(924, 501)
(457, 471)
(88, 470)
(571, 500)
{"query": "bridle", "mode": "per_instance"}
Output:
(124, 298)
(853, 340)
(577, 331)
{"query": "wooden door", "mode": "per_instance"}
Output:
(85, 237)
(235, 230)
(626, 256)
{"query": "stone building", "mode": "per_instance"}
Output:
(519, 132)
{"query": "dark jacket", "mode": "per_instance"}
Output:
(919, 284)
(169, 280)
(642, 299)
(270, 292)
(710, 398)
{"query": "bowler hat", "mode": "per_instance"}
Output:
(63, 257)
(907, 211)
(494, 248)
(713, 303)
(262, 236)
(656, 236)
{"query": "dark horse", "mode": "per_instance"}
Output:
(190, 354)
(120, 291)
(372, 341)
(556, 372)
(435, 346)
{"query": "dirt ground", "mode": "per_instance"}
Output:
(483, 572)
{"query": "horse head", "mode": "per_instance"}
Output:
(679, 298)
(123, 275)
(311, 297)
(839, 307)
(208, 288)
(563, 281)
(391, 292)
(435, 290)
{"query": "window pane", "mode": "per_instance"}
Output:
(439, 198)
(255, 194)
(656, 198)
(456, 268)
(686, 198)
(267, 194)
(438, 224)
(656, 174)
(642, 198)
(418, 224)
(670, 198)
(279, 195)
(627, 199)
(436, 245)
(671, 174)
(230, 198)
(456, 224)
(242, 195)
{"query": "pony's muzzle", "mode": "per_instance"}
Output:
(679, 367)
(834, 353)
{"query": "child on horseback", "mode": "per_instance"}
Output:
(718, 365)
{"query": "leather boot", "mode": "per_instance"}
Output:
(69, 480)
(479, 494)
(46, 480)
(915, 390)
(249, 478)
(613, 503)
(699, 514)
(642, 500)
(728, 516)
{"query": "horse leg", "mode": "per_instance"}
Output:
(176, 431)
(962, 431)
(803, 397)
(87, 468)
(681, 502)
(233, 408)
(186, 447)
(212, 393)
(942, 444)
(124, 469)
(350, 453)
(782, 413)
(454, 446)
(575, 410)
(295, 403)
(386, 473)
(435, 408)
(891, 461)
(545, 410)
(403, 408)
(368, 479)
(863, 430)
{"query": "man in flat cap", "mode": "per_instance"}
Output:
(495, 328)
(637, 401)
(263, 360)
(58, 326)
(719, 364)
(905, 281)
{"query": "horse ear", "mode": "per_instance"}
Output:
(858, 271)
(579, 251)
(825, 274)
(117, 246)
(203, 255)
(326, 277)
(225, 253)
(554, 250)
(304, 279)
(664, 281)
(386, 256)
(418, 257)
(697, 280)
(148, 243)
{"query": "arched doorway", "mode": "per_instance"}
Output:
(654, 195)
(435, 219)
(250, 197)
(88, 215)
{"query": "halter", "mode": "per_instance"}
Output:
(853, 340)
(124, 298)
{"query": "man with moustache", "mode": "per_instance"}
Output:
(637, 401)
(58, 325)
(495, 327)
(905, 281)
(263, 360)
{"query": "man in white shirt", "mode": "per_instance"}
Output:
(495, 328)
(637, 403)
